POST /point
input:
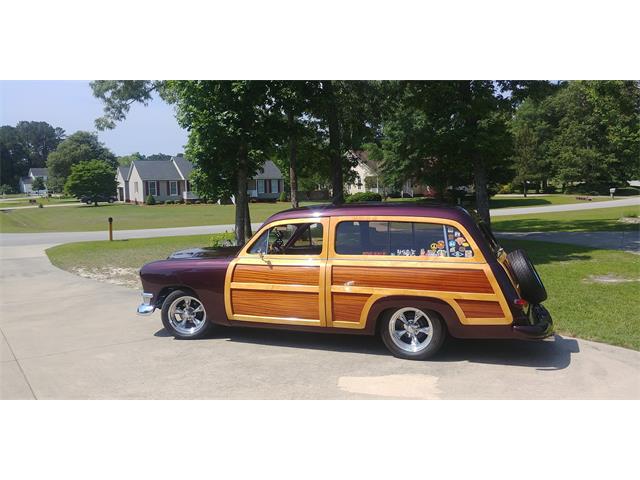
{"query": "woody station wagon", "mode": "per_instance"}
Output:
(410, 273)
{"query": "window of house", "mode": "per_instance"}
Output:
(135, 187)
(291, 239)
(405, 239)
(275, 184)
(260, 186)
(173, 188)
(151, 186)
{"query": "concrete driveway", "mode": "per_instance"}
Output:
(65, 337)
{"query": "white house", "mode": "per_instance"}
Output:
(169, 180)
(26, 183)
(368, 178)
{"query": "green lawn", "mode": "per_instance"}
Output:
(127, 217)
(599, 219)
(120, 260)
(501, 201)
(24, 202)
(581, 304)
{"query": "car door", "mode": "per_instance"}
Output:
(279, 276)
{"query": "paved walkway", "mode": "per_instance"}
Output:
(570, 207)
(66, 337)
(626, 241)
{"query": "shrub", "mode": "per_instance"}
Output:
(283, 197)
(169, 202)
(197, 202)
(364, 197)
(211, 202)
(160, 202)
(150, 200)
(627, 191)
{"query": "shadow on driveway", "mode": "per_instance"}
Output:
(551, 354)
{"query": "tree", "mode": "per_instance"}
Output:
(24, 146)
(39, 139)
(14, 157)
(595, 132)
(128, 159)
(38, 184)
(78, 147)
(91, 178)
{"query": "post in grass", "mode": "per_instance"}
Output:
(111, 229)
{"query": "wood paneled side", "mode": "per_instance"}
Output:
(480, 309)
(275, 304)
(347, 307)
(277, 274)
(439, 279)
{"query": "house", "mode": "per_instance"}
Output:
(169, 180)
(268, 183)
(26, 183)
(368, 179)
(163, 179)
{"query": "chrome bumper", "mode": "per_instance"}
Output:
(146, 307)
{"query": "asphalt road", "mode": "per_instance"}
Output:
(66, 337)
(54, 238)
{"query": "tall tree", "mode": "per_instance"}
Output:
(596, 132)
(39, 139)
(14, 156)
(78, 147)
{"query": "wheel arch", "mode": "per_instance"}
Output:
(165, 291)
(382, 305)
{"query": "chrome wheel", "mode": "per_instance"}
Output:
(410, 329)
(187, 315)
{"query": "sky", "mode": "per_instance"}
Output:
(71, 106)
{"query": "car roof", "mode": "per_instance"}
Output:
(400, 209)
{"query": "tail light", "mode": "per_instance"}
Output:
(520, 303)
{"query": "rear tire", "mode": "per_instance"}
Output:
(184, 316)
(531, 286)
(412, 333)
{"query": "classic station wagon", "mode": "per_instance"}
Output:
(410, 273)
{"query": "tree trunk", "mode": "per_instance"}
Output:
(524, 189)
(293, 152)
(247, 220)
(482, 194)
(241, 196)
(334, 145)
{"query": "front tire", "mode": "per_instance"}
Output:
(184, 316)
(412, 333)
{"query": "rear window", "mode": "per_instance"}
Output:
(404, 239)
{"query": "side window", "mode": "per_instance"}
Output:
(457, 244)
(290, 239)
(406, 239)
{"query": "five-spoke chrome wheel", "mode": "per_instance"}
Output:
(187, 316)
(410, 329)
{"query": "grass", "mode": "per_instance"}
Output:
(500, 201)
(120, 260)
(581, 306)
(596, 220)
(127, 217)
(24, 202)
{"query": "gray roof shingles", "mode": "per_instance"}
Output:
(39, 172)
(156, 170)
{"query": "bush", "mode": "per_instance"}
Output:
(150, 200)
(364, 197)
(169, 202)
(627, 191)
(160, 202)
(197, 202)
(211, 202)
(283, 197)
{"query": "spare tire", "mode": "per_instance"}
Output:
(531, 287)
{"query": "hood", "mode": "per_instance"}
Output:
(206, 252)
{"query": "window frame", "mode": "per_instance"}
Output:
(324, 221)
(478, 256)
(155, 190)
(173, 183)
(260, 182)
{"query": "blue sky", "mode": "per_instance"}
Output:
(71, 106)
